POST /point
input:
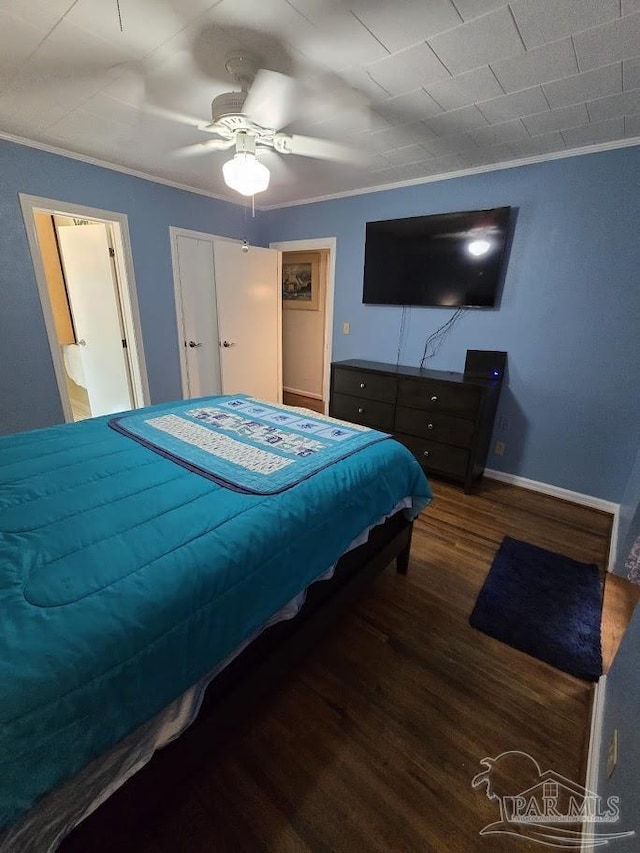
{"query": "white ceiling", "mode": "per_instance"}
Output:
(451, 84)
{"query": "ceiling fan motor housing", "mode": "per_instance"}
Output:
(228, 118)
(227, 105)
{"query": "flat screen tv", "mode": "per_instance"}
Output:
(449, 260)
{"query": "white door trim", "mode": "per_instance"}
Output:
(119, 223)
(174, 233)
(200, 235)
(593, 761)
(330, 244)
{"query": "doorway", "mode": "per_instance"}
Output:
(307, 323)
(83, 267)
(228, 314)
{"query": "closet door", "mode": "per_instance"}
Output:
(249, 320)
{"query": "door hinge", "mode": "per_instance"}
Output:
(112, 252)
(124, 343)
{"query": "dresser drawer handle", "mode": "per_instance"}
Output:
(360, 410)
(425, 452)
(429, 426)
(434, 399)
(363, 384)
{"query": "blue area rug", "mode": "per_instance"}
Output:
(544, 604)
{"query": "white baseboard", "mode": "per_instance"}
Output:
(566, 495)
(613, 550)
(593, 760)
(555, 491)
(303, 393)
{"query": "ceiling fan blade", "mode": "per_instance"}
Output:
(40, 77)
(325, 95)
(172, 115)
(271, 99)
(205, 147)
(281, 170)
(322, 149)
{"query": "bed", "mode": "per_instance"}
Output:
(131, 580)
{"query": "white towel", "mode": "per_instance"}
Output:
(72, 356)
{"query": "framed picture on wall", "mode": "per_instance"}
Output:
(301, 281)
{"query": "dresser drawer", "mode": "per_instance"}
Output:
(437, 457)
(369, 413)
(454, 399)
(359, 383)
(435, 426)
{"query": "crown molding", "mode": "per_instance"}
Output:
(114, 167)
(461, 173)
(263, 208)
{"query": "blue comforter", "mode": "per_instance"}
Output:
(124, 578)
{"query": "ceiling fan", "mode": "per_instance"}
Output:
(251, 120)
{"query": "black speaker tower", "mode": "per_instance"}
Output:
(485, 364)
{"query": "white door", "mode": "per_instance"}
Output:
(93, 297)
(249, 320)
(199, 316)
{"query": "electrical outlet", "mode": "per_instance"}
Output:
(612, 753)
(499, 448)
(346, 328)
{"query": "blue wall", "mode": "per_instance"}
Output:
(629, 520)
(622, 697)
(569, 315)
(28, 391)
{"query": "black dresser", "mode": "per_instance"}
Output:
(445, 419)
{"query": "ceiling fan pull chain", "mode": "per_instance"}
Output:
(119, 16)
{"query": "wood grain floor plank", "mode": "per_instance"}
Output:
(372, 742)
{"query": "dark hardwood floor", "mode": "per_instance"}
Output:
(372, 742)
(291, 399)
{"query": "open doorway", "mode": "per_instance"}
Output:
(83, 268)
(307, 321)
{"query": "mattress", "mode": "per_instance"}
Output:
(125, 578)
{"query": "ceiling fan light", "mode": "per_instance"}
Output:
(246, 174)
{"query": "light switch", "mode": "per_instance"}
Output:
(346, 328)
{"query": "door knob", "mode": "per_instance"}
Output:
(228, 344)
(193, 344)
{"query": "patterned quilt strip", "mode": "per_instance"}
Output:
(240, 434)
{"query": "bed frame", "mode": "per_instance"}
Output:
(232, 695)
